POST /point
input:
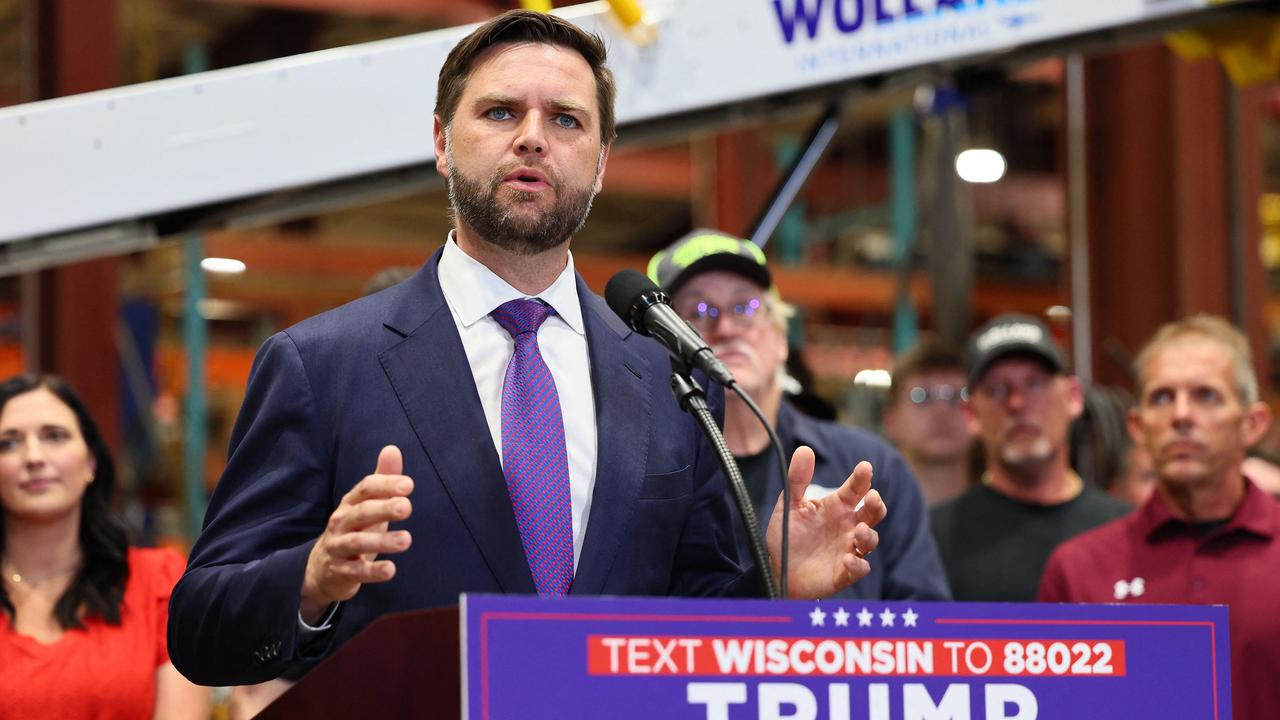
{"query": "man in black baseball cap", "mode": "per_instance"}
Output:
(1012, 334)
(997, 536)
(721, 285)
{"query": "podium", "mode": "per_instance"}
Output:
(837, 659)
(403, 665)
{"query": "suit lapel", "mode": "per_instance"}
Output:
(430, 374)
(622, 439)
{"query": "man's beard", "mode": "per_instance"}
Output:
(753, 378)
(476, 203)
(1031, 454)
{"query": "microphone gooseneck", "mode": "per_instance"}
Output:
(689, 396)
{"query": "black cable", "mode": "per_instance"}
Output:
(786, 485)
(689, 396)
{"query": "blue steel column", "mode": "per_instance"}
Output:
(791, 232)
(195, 337)
(902, 199)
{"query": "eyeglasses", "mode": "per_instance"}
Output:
(1001, 390)
(949, 394)
(702, 314)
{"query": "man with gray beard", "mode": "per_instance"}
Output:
(997, 536)
(722, 286)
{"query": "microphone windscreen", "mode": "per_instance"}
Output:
(624, 293)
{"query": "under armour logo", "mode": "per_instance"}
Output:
(1130, 588)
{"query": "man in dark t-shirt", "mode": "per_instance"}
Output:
(996, 537)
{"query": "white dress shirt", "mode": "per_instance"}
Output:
(472, 291)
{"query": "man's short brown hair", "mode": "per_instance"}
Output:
(1205, 327)
(526, 26)
(927, 356)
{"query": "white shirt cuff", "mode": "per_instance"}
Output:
(325, 622)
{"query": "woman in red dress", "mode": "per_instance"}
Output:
(82, 614)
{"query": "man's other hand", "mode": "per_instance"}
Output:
(343, 558)
(830, 536)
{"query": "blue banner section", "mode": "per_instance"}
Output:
(805, 19)
(835, 660)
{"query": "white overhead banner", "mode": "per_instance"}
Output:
(143, 150)
(713, 52)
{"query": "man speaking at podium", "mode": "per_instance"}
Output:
(488, 425)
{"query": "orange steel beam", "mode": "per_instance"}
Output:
(284, 253)
(295, 276)
(664, 172)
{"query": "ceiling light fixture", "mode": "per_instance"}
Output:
(223, 266)
(980, 166)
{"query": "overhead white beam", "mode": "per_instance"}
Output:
(131, 153)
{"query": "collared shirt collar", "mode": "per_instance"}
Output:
(474, 291)
(1256, 514)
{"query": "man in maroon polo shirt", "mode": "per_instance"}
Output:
(1208, 535)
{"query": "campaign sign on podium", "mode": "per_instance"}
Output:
(840, 660)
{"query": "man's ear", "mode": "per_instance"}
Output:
(971, 419)
(1257, 420)
(1075, 397)
(604, 160)
(1135, 426)
(889, 421)
(439, 132)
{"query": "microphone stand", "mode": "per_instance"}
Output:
(690, 397)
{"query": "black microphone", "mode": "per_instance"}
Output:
(645, 308)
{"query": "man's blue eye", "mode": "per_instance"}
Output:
(566, 121)
(499, 113)
(1207, 395)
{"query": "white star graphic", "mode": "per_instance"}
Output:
(842, 617)
(909, 618)
(864, 618)
(886, 618)
(818, 617)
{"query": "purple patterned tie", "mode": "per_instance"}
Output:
(534, 459)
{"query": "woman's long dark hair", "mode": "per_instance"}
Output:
(97, 590)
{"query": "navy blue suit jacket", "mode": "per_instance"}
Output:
(327, 394)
